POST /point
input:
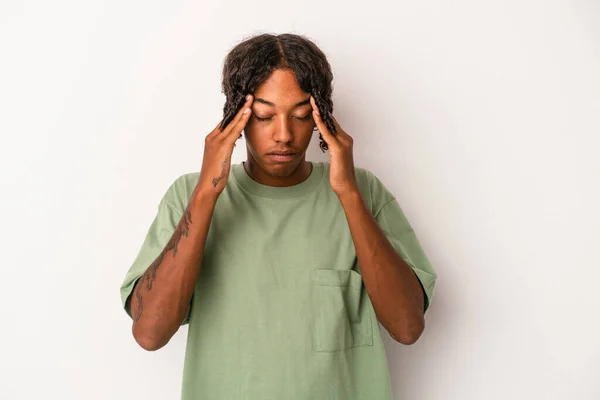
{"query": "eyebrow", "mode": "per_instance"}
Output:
(268, 103)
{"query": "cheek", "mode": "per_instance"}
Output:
(303, 130)
(254, 136)
(252, 129)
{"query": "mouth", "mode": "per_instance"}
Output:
(281, 156)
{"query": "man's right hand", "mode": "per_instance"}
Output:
(218, 147)
(163, 294)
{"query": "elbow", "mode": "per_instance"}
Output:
(409, 333)
(147, 342)
(407, 339)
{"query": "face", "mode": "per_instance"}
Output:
(281, 122)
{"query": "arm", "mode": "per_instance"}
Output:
(393, 287)
(162, 295)
(391, 284)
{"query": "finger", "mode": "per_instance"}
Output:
(327, 136)
(215, 131)
(340, 133)
(239, 115)
(234, 134)
(337, 125)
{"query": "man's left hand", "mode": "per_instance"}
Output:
(341, 161)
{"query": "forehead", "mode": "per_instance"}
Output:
(281, 89)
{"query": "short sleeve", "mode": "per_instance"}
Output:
(161, 229)
(397, 229)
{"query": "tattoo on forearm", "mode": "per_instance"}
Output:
(147, 279)
(218, 179)
(138, 297)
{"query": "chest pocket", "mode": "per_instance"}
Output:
(343, 310)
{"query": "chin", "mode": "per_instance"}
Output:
(281, 169)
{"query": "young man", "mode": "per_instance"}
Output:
(282, 267)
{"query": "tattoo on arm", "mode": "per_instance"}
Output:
(148, 277)
(218, 179)
(138, 297)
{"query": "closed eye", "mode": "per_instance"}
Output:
(262, 119)
(304, 118)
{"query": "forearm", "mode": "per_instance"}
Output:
(393, 287)
(162, 295)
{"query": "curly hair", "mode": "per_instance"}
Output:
(252, 61)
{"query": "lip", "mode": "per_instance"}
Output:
(282, 156)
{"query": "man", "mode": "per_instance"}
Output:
(282, 267)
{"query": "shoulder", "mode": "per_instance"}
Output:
(364, 177)
(372, 188)
(178, 194)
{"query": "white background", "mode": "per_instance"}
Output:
(482, 117)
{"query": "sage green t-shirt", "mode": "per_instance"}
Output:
(280, 310)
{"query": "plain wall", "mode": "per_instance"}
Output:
(482, 117)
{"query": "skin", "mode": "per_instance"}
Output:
(162, 295)
(289, 127)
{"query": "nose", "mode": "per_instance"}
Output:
(283, 132)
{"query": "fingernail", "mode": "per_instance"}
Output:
(246, 111)
(317, 111)
(248, 97)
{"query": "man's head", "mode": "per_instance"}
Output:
(281, 72)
